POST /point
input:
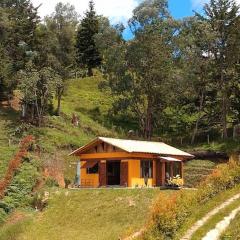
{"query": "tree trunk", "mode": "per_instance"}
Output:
(198, 120)
(224, 106)
(90, 72)
(148, 121)
(224, 115)
(59, 98)
(24, 110)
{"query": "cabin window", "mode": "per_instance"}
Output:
(168, 170)
(176, 169)
(146, 169)
(93, 170)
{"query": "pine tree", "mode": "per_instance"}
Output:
(222, 15)
(87, 52)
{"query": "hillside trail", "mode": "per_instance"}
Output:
(203, 220)
(221, 226)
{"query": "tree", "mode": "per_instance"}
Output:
(87, 52)
(38, 87)
(22, 21)
(222, 16)
(196, 93)
(60, 48)
(139, 70)
(4, 59)
(108, 36)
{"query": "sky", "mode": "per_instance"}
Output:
(121, 10)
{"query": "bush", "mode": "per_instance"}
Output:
(51, 182)
(40, 200)
(18, 193)
(15, 163)
(67, 182)
(2, 216)
(169, 213)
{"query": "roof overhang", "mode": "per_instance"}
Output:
(170, 159)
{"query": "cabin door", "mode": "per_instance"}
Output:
(113, 173)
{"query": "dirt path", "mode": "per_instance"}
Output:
(215, 233)
(202, 221)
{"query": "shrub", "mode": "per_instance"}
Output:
(2, 216)
(18, 193)
(15, 163)
(51, 182)
(169, 213)
(67, 182)
(40, 200)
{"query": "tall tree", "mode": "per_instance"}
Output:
(21, 35)
(59, 32)
(222, 16)
(139, 70)
(87, 52)
(196, 92)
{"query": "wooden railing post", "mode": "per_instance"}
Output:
(102, 173)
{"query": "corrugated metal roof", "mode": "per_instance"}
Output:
(136, 146)
(145, 147)
(170, 159)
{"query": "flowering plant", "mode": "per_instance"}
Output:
(175, 181)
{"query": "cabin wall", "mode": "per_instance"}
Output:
(88, 180)
(134, 175)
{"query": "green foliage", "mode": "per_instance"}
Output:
(50, 182)
(87, 52)
(57, 41)
(38, 88)
(18, 193)
(3, 216)
(21, 23)
(138, 71)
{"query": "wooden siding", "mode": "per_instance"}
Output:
(124, 173)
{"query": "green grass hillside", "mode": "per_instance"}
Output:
(91, 105)
(86, 214)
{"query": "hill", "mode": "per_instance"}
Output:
(86, 214)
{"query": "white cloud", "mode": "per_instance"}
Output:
(200, 3)
(116, 10)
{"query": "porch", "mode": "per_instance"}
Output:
(128, 172)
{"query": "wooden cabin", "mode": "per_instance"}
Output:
(128, 163)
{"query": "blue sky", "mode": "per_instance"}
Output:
(181, 8)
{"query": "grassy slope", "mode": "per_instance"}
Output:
(91, 106)
(233, 231)
(204, 209)
(211, 223)
(82, 98)
(196, 170)
(88, 214)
